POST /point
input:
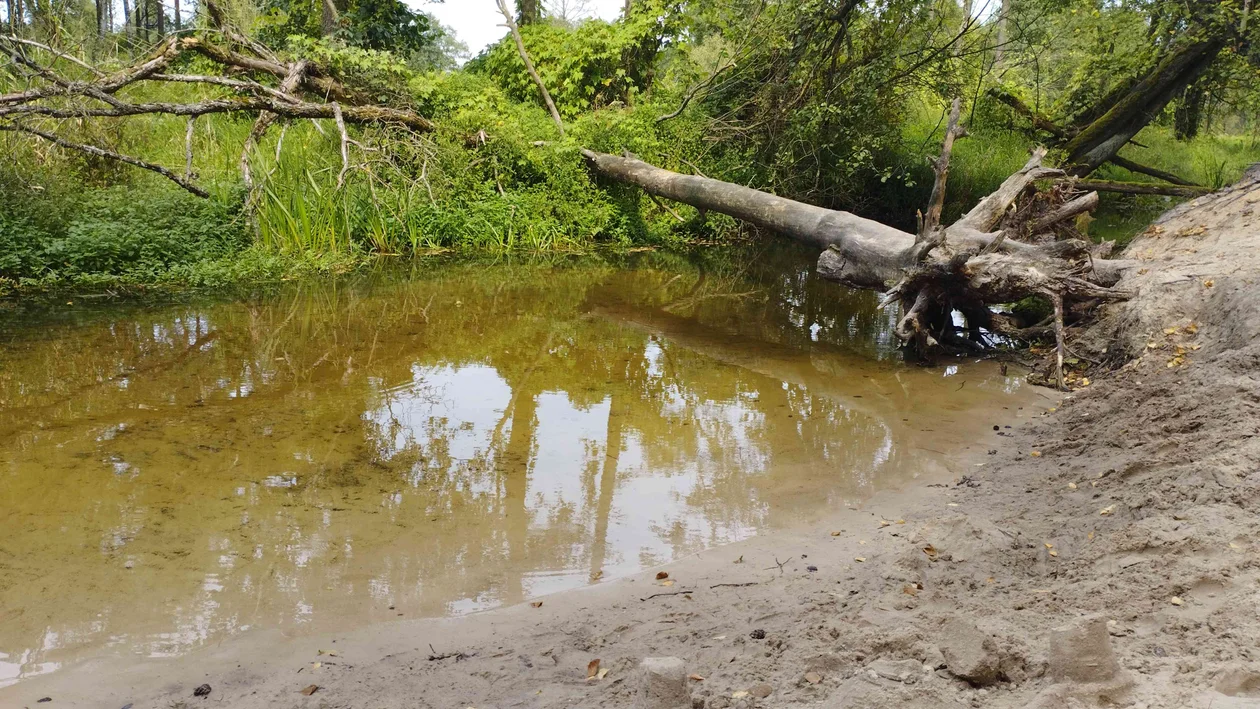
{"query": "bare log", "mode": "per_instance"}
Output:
(103, 153)
(62, 98)
(1143, 188)
(972, 268)
(1085, 203)
(1150, 171)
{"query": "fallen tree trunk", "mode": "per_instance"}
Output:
(1000, 252)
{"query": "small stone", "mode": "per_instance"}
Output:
(907, 671)
(1081, 652)
(970, 653)
(813, 677)
(129, 564)
(663, 684)
(758, 634)
(202, 691)
(934, 659)
(761, 691)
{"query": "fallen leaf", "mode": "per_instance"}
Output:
(1071, 486)
(1037, 454)
(739, 695)
(536, 604)
(662, 575)
(597, 575)
(836, 534)
(813, 677)
(910, 590)
(901, 521)
(1233, 545)
(1049, 545)
(592, 668)
(667, 582)
(1176, 601)
(1090, 536)
(1170, 330)
(1106, 510)
(929, 550)
(740, 560)
(310, 689)
(859, 559)
(989, 580)
(602, 673)
(695, 678)
(1053, 553)
(1209, 283)
(884, 523)
(317, 665)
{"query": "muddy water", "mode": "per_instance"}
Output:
(435, 440)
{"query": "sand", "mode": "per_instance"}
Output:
(1104, 554)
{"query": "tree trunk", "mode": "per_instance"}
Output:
(100, 18)
(1003, 14)
(179, 21)
(529, 64)
(976, 262)
(161, 18)
(1189, 113)
(528, 11)
(328, 18)
(126, 17)
(1102, 139)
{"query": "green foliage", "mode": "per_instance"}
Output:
(380, 25)
(593, 65)
(140, 233)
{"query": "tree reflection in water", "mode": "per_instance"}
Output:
(432, 440)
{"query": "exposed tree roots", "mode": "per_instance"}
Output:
(953, 283)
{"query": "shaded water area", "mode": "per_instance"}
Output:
(437, 438)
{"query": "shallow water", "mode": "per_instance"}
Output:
(436, 439)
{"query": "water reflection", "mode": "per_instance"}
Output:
(433, 442)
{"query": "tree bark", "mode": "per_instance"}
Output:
(976, 262)
(328, 17)
(1102, 139)
(999, 52)
(529, 11)
(1189, 113)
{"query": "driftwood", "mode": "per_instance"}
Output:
(1003, 250)
(305, 90)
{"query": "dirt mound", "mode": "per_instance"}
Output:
(1196, 264)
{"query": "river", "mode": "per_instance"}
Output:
(437, 438)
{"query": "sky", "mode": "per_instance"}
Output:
(476, 22)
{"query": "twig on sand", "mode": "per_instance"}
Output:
(734, 585)
(457, 655)
(777, 564)
(672, 593)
